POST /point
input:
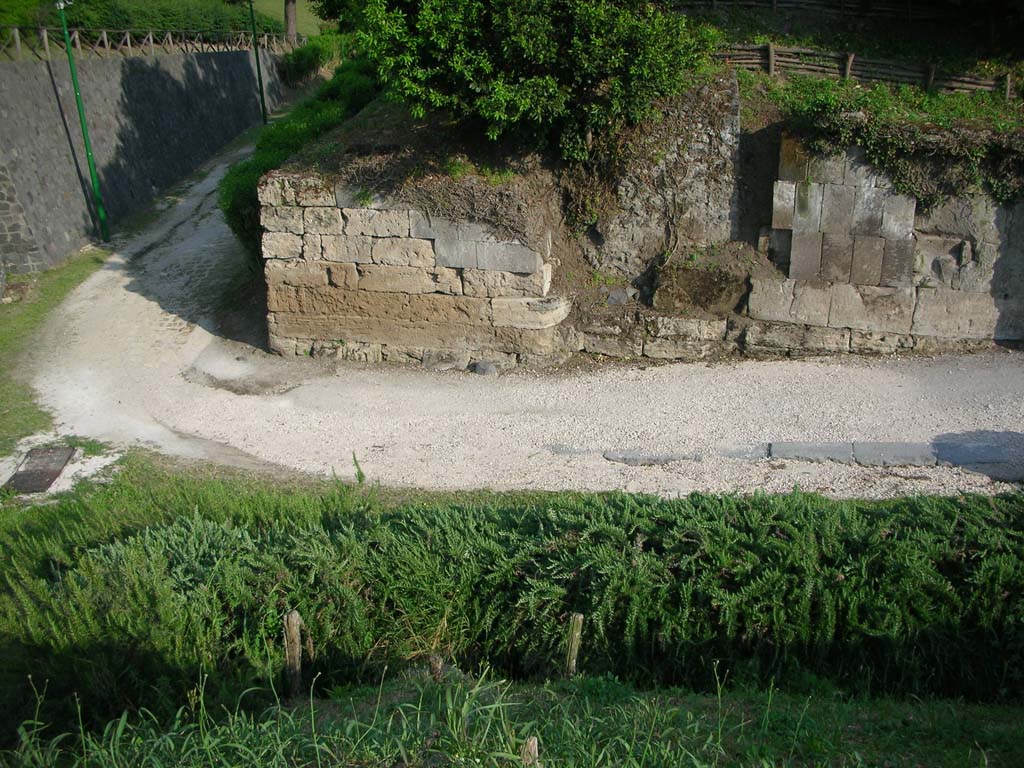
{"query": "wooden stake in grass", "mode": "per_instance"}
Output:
(293, 654)
(530, 752)
(573, 646)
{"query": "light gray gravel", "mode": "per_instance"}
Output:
(130, 359)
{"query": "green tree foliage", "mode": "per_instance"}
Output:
(347, 13)
(569, 70)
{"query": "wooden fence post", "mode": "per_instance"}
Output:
(293, 654)
(530, 753)
(575, 639)
(771, 59)
(45, 37)
(16, 34)
(848, 71)
(1009, 86)
(929, 82)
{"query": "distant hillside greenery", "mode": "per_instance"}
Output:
(205, 15)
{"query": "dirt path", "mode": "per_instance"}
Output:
(135, 357)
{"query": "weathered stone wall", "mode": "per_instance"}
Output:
(152, 121)
(18, 249)
(863, 263)
(689, 195)
(371, 281)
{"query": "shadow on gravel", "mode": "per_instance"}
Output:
(998, 455)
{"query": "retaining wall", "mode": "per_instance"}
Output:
(152, 122)
(368, 281)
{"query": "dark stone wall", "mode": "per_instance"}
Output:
(152, 121)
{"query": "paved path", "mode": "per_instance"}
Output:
(134, 357)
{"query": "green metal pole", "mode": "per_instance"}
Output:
(259, 68)
(101, 212)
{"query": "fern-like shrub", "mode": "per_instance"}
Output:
(910, 596)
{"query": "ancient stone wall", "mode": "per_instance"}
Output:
(364, 280)
(152, 121)
(864, 264)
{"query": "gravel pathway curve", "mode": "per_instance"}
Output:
(133, 357)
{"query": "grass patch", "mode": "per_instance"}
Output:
(594, 722)
(129, 593)
(306, 20)
(933, 145)
(19, 414)
(351, 88)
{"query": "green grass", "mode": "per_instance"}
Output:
(307, 21)
(19, 414)
(413, 721)
(126, 594)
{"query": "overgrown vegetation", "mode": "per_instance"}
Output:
(203, 15)
(128, 593)
(351, 88)
(934, 145)
(318, 52)
(416, 722)
(37, 295)
(568, 73)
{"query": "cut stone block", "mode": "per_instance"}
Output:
(867, 308)
(312, 247)
(827, 169)
(837, 209)
(955, 314)
(682, 348)
(374, 223)
(783, 204)
(859, 172)
(765, 336)
(402, 252)
(456, 254)
(374, 277)
(354, 249)
(312, 190)
(507, 257)
(323, 221)
(940, 258)
(790, 301)
(281, 245)
(817, 452)
(793, 160)
(439, 308)
(898, 263)
(805, 256)
(867, 211)
(489, 283)
(836, 257)
(807, 213)
(868, 254)
(880, 343)
(898, 217)
(894, 454)
(296, 273)
(689, 328)
(431, 227)
(282, 218)
(530, 313)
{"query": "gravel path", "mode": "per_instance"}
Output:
(133, 357)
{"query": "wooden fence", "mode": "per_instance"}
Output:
(20, 44)
(775, 59)
(906, 10)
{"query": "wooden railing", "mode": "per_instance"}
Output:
(906, 10)
(40, 44)
(775, 59)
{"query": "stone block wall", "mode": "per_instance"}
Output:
(379, 281)
(861, 259)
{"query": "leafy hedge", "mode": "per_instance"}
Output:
(568, 70)
(933, 145)
(317, 53)
(146, 584)
(352, 87)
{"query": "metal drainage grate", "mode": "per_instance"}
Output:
(39, 469)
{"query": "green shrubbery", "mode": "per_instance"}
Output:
(318, 52)
(351, 88)
(128, 594)
(566, 70)
(934, 145)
